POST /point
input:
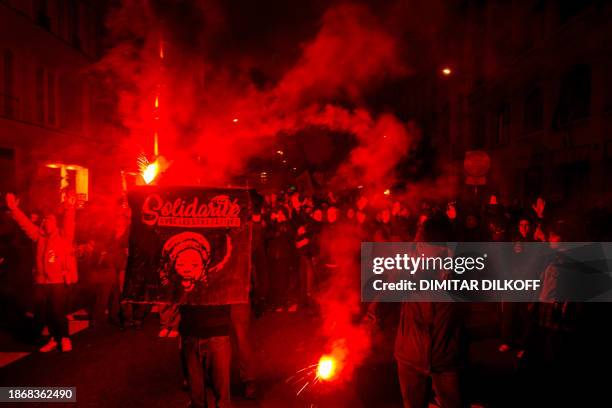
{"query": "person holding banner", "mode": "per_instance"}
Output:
(204, 329)
(191, 247)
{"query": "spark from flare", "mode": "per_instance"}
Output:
(148, 170)
(306, 379)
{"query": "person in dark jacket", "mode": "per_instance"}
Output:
(96, 280)
(554, 351)
(205, 342)
(429, 342)
(282, 250)
(515, 316)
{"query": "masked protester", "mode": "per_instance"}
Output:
(56, 268)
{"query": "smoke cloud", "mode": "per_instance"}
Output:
(220, 107)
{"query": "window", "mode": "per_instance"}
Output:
(51, 97)
(70, 88)
(9, 101)
(74, 23)
(533, 111)
(59, 18)
(444, 122)
(502, 124)
(71, 177)
(46, 96)
(571, 8)
(7, 169)
(41, 13)
(607, 83)
(574, 96)
(40, 95)
(479, 132)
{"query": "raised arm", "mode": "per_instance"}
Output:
(24, 222)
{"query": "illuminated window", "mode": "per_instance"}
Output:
(72, 177)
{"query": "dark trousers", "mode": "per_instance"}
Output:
(51, 308)
(282, 283)
(208, 365)
(114, 301)
(515, 323)
(306, 280)
(241, 317)
(417, 386)
(97, 300)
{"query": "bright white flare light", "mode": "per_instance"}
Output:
(150, 172)
(326, 369)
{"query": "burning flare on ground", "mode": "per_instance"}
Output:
(327, 368)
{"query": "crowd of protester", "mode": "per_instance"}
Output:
(295, 251)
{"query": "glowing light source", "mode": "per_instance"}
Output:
(150, 172)
(326, 369)
(446, 71)
(156, 144)
(280, 152)
(235, 120)
(53, 166)
(387, 192)
(156, 102)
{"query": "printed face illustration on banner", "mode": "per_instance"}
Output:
(189, 245)
(186, 257)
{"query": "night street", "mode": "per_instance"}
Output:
(135, 368)
(309, 204)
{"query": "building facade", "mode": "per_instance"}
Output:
(532, 88)
(53, 133)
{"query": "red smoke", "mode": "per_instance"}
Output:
(199, 100)
(212, 118)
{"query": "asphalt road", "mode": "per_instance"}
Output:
(114, 368)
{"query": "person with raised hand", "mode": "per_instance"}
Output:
(55, 267)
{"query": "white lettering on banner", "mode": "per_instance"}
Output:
(220, 211)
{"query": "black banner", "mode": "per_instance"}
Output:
(189, 245)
